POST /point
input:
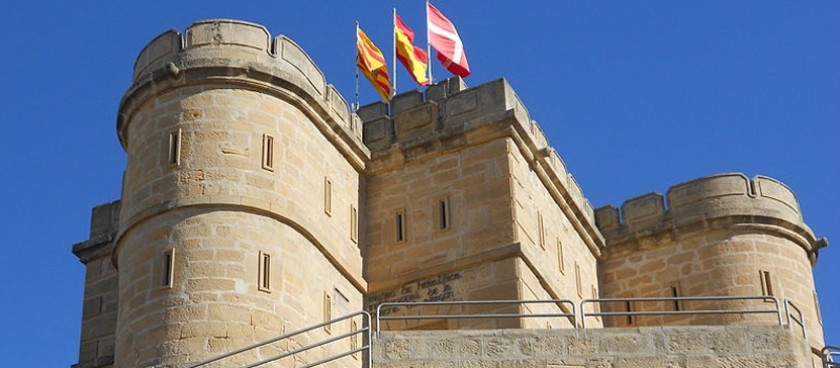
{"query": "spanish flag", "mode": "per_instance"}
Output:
(412, 57)
(370, 60)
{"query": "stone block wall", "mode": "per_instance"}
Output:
(241, 210)
(673, 347)
(719, 235)
(99, 308)
(238, 149)
(474, 182)
(508, 195)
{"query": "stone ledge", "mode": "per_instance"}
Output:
(679, 347)
(713, 201)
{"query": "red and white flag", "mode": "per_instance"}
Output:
(444, 38)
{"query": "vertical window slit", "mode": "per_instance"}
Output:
(354, 223)
(578, 281)
(675, 293)
(167, 265)
(561, 262)
(628, 307)
(400, 225)
(541, 229)
(327, 311)
(354, 338)
(817, 308)
(327, 196)
(766, 283)
(443, 209)
(264, 279)
(268, 152)
(175, 147)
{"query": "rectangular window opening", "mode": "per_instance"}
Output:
(354, 338)
(766, 283)
(264, 279)
(268, 152)
(175, 147)
(354, 224)
(443, 213)
(675, 293)
(628, 307)
(327, 311)
(327, 196)
(400, 225)
(817, 308)
(578, 281)
(561, 261)
(167, 266)
(541, 229)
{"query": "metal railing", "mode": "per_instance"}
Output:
(830, 356)
(365, 349)
(559, 302)
(576, 315)
(798, 318)
(776, 310)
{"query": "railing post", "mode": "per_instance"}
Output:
(583, 314)
(367, 354)
(787, 312)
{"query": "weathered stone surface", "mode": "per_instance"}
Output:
(242, 159)
(607, 348)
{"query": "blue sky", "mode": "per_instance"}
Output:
(635, 96)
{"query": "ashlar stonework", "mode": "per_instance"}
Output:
(255, 202)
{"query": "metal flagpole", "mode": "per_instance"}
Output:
(394, 55)
(428, 46)
(356, 104)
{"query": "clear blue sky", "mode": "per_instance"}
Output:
(636, 96)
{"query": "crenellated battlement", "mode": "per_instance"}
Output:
(450, 115)
(761, 200)
(237, 50)
(447, 107)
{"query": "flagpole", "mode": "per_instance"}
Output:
(394, 54)
(428, 46)
(356, 104)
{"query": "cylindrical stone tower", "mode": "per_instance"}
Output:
(240, 200)
(721, 235)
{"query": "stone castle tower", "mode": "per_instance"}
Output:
(255, 202)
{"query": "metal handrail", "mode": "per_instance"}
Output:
(584, 314)
(827, 354)
(365, 331)
(790, 317)
(561, 302)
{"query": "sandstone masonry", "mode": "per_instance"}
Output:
(254, 202)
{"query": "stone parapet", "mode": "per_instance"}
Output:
(234, 52)
(706, 202)
(678, 347)
(104, 224)
(451, 116)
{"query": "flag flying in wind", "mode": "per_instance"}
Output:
(444, 38)
(412, 57)
(370, 60)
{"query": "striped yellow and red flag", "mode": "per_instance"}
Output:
(370, 60)
(412, 57)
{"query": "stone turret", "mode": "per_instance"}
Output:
(722, 235)
(240, 199)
